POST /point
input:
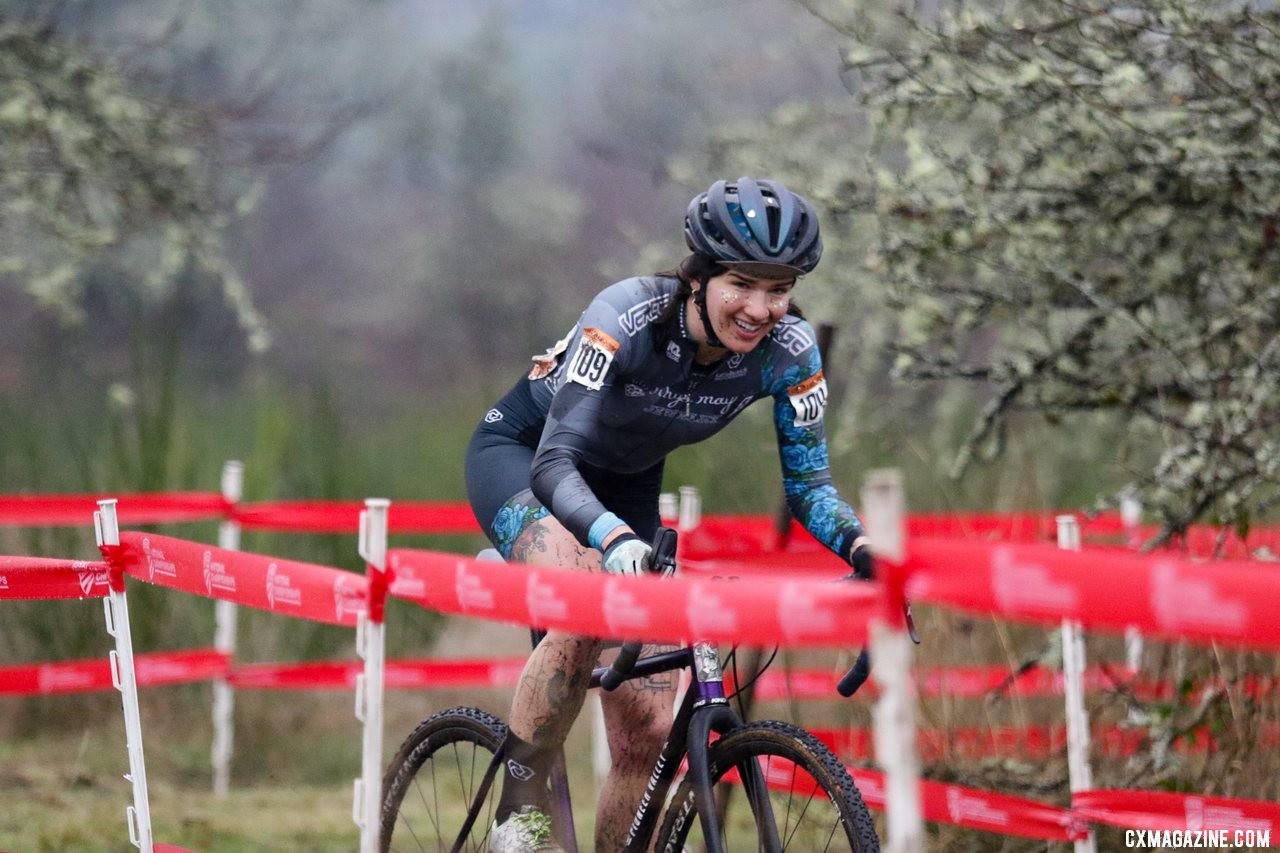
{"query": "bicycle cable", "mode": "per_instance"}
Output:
(731, 663)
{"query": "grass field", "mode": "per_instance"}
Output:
(62, 758)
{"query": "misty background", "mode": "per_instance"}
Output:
(411, 199)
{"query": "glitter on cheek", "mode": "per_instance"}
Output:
(727, 296)
(778, 303)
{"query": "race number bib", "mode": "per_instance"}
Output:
(590, 362)
(809, 399)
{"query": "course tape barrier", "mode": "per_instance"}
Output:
(36, 578)
(726, 535)
(344, 517)
(980, 682)
(1231, 601)
(81, 676)
(144, 508)
(765, 611)
(1159, 810)
(1025, 743)
(976, 809)
(301, 590)
(397, 675)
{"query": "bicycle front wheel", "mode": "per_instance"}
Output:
(810, 798)
(432, 782)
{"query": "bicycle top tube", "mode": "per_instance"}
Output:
(651, 665)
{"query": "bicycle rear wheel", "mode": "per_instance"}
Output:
(433, 780)
(814, 802)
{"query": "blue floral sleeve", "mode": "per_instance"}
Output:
(799, 393)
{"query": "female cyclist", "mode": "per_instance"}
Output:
(566, 469)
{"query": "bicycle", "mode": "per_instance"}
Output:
(438, 791)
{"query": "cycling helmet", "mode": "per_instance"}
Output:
(759, 228)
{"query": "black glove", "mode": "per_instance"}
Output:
(862, 562)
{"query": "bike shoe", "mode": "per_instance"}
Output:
(526, 831)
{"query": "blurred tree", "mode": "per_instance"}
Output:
(1077, 207)
(97, 174)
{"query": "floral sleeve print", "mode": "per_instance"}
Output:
(806, 475)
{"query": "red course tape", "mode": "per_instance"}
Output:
(1226, 601)
(300, 590)
(39, 578)
(763, 612)
(66, 510)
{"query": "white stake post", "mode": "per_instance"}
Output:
(1073, 664)
(371, 646)
(224, 641)
(1130, 518)
(883, 514)
(123, 676)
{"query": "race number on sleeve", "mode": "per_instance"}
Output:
(809, 399)
(590, 362)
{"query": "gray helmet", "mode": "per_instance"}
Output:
(760, 228)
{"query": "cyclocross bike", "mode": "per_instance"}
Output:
(439, 792)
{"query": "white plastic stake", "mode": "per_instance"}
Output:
(137, 816)
(1073, 664)
(1130, 518)
(371, 645)
(601, 757)
(668, 508)
(690, 508)
(883, 513)
(224, 640)
(895, 738)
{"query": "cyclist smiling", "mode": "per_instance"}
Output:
(566, 469)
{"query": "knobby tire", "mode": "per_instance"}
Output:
(816, 805)
(431, 782)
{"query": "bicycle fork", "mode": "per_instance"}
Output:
(710, 712)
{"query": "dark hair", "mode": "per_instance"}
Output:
(697, 267)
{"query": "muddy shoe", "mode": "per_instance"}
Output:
(526, 831)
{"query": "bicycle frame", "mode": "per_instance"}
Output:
(703, 710)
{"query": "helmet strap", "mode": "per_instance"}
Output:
(700, 301)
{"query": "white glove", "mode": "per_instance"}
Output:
(627, 555)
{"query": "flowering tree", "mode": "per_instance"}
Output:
(1077, 205)
(95, 173)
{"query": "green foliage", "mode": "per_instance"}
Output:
(1076, 207)
(97, 175)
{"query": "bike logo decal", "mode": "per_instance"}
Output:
(518, 770)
